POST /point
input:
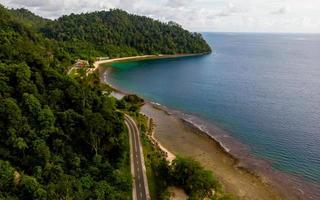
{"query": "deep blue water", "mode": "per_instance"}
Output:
(263, 88)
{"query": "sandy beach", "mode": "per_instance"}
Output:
(181, 138)
(142, 57)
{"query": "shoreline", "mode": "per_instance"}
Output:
(270, 183)
(168, 154)
(280, 184)
(97, 64)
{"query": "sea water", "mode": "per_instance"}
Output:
(264, 89)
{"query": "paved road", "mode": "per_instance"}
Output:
(140, 184)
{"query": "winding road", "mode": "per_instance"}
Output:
(140, 190)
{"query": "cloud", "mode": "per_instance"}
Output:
(55, 8)
(31, 3)
(178, 3)
(197, 15)
(281, 11)
(228, 11)
(46, 8)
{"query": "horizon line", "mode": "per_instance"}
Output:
(258, 32)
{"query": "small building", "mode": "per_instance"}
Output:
(81, 63)
(103, 58)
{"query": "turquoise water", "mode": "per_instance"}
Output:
(263, 88)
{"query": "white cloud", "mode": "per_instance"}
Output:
(198, 15)
(31, 3)
(178, 3)
(281, 11)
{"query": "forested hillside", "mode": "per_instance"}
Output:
(29, 18)
(59, 138)
(117, 33)
(113, 33)
(63, 138)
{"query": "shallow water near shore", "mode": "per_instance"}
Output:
(182, 138)
(262, 89)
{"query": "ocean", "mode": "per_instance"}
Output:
(263, 89)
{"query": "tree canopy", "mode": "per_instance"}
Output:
(117, 33)
(60, 137)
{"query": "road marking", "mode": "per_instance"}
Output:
(138, 153)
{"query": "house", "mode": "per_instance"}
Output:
(81, 63)
(103, 58)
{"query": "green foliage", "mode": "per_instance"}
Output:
(63, 138)
(60, 138)
(183, 172)
(157, 168)
(113, 33)
(193, 178)
(131, 103)
(32, 189)
(121, 104)
(133, 99)
(28, 18)
(6, 176)
(116, 33)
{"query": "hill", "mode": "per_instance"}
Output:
(116, 33)
(63, 138)
(60, 138)
(29, 18)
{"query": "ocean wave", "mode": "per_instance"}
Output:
(194, 122)
(155, 103)
(203, 128)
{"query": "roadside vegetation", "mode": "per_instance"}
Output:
(183, 172)
(156, 164)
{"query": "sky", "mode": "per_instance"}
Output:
(198, 15)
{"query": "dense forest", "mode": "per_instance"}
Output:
(117, 33)
(63, 137)
(60, 138)
(113, 33)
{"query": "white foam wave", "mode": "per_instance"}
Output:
(205, 130)
(155, 103)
